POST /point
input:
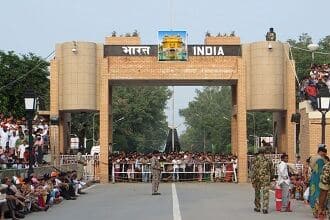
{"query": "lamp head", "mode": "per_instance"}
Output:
(323, 103)
(313, 47)
(30, 100)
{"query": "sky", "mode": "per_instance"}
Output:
(37, 25)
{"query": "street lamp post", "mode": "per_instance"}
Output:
(323, 106)
(313, 48)
(173, 146)
(30, 107)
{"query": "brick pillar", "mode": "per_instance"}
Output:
(54, 112)
(290, 97)
(279, 132)
(64, 133)
(105, 128)
(241, 124)
(234, 147)
(290, 137)
(54, 149)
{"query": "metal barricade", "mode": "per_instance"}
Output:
(220, 171)
(276, 159)
(90, 163)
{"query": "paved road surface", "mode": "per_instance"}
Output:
(192, 201)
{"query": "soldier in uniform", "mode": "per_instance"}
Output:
(324, 187)
(262, 174)
(271, 35)
(155, 170)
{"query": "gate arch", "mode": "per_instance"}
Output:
(261, 78)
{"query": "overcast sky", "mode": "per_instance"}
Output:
(36, 25)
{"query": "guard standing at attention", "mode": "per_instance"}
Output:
(155, 170)
(263, 173)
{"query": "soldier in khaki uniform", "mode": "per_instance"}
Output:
(263, 173)
(271, 35)
(155, 170)
(324, 187)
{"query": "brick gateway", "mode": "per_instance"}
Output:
(262, 78)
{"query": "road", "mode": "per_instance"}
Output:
(180, 201)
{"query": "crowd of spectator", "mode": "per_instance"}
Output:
(14, 139)
(316, 84)
(299, 179)
(21, 196)
(176, 166)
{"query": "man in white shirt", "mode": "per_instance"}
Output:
(4, 136)
(12, 140)
(21, 149)
(176, 163)
(284, 182)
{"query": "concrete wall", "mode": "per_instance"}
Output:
(122, 40)
(265, 75)
(40, 171)
(222, 40)
(310, 130)
(271, 87)
(78, 75)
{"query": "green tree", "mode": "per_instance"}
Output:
(143, 126)
(303, 57)
(139, 121)
(17, 73)
(208, 120)
(82, 126)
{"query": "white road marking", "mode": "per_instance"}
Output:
(90, 187)
(176, 207)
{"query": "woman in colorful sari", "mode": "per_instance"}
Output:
(317, 162)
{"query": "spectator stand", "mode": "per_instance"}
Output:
(316, 83)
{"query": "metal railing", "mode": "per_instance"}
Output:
(90, 162)
(22, 172)
(142, 172)
(276, 159)
(222, 171)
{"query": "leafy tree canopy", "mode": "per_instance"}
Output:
(303, 58)
(17, 74)
(139, 118)
(139, 121)
(208, 122)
